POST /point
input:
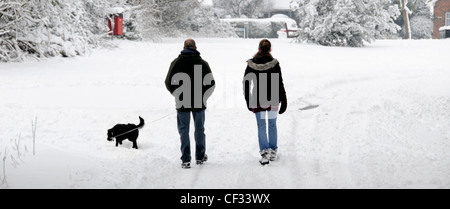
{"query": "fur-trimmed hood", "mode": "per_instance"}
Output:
(262, 67)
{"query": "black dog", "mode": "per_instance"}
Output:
(121, 132)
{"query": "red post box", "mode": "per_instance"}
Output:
(116, 25)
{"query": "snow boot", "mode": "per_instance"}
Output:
(201, 162)
(273, 155)
(186, 165)
(265, 157)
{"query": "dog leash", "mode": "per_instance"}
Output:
(162, 118)
(143, 126)
(127, 132)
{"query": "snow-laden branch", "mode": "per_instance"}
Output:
(50, 28)
(345, 23)
(3, 32)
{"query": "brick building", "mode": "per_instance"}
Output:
(441, 15)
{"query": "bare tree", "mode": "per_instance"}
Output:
(237, 6)
(17, 145)
(407, 12)
(255, 7)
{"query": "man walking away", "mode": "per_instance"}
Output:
(191, 82)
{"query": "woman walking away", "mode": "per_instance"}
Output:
(264, 91)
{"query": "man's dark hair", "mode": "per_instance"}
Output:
(190, 43)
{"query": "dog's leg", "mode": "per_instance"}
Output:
(135, 144)
(117, 143)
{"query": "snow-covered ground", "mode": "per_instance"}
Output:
(383, 120)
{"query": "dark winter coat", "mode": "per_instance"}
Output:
(185, 63)
(267, 66)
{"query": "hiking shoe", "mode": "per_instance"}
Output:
(273, 155)
(186, 165)
(201, 162)
(265, 157)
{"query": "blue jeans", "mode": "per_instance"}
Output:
(264, 141)
(184, 119)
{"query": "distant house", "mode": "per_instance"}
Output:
(279, 7)
(441, 16)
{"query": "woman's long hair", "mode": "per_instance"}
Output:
(264, 49)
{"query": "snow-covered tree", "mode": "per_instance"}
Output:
(158, 19)
(16, 21)
(241, 8)
(207, 24)
(411, 9)
(418, 15)
(45, 28)
(406, 12)
(345, 22)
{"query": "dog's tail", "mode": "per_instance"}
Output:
(142, 123)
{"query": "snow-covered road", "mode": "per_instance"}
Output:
(382, 122)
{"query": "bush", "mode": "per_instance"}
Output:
(421, 27)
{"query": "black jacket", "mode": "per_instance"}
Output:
(186, 65)
(260, 72)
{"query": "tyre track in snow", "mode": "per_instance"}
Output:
(355, 152)
(304, 166)
(344, 124)
(328, 131)
(416, 150)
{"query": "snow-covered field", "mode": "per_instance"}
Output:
(383, 120)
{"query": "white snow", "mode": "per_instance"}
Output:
(444, 28)
(207, 3)
(383, 119)
(280, 16)
(281, 4)
(276, 18)
(116, 10)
